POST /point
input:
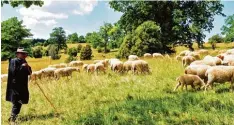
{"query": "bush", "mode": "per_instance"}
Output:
(70, 58)
(99, 49)
(86, 53)
(45, 52)
(37, 52)
(53, 52)
(79, 47)
(107, 50)
(72, 51)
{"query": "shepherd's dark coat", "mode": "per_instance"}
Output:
(17, 82)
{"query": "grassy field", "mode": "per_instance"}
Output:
(114, 99)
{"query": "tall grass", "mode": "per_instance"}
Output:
(111, 98)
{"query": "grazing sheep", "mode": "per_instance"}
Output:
(127, 66)
(188, 79)
(54, 66)
(90, 68)
(220, 74)
(65, 72)
(117, 66)
(216, 60)
(147, 55)
(183, 53)
(157, 55)
(104, 62)
(96, 61)
(228, 59)
(133, 57)
(187, 60)
(36, 75)
(112, 60)
(99, 67)
(199, 70)
(62, 65)
(179, 58)
(194, 54)
(140, 66)
(84, 67)
(230, 52)
(48, 72)
(203, 62)
(4, 77)
(75, 63)
(203, 52)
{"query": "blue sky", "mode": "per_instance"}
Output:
(80, 16)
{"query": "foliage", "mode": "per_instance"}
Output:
(81, 39)
(125, 48)
(216, 39)
(27, 4)
(228, 29)
(116, 36)
(73, 38)
(95, 39)
(37, 52)
(79, 47)
(12, 34)
(99, 49)
(58, 38)
(53, 52)
(104, 33)
(70, 58)
(72, 51)
(180, 21)
(86, 53)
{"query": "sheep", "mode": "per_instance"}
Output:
(140, 66)
(203, 62)
(147, 55)
(54, 66)
(36, 75)
(216, 60)
(48, 72)
(127, 66)
(104, 62)
(230, 52)
(96, 61)
(133, 57)
(157, 55)
(189, 79)
(203, 52)
(4, 77)
(179, 58)
(117, 66)
(187, 60)
(90, 68)
(112, 60)
(228, 59)
(65, 72)
(99, 67)
(75, 63)
(84, 67)
(220, 74)
(183, 53)
(194, 54)
(199, 70)
(62, 65)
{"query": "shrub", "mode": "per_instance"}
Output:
(79, 47)
(99, 49)
(53, 52)
(37, 52)
(86, 53)
(72, 51)
(70, 58)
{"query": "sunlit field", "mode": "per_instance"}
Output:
(123, 99)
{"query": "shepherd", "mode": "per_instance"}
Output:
(17, 84)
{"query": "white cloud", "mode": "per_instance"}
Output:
(68, 31)
(85, 7)
(49, 22)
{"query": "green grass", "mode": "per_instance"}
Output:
(114, 99)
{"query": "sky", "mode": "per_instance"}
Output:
(80, 16)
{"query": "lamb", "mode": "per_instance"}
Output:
(199, 70)
(99, 67)
(117, 66)
(36, 75)
(90, 68)
(127, 66)
(65, 72)
(187, 60)
(203, 62)
(140, 66)
(157, 55)
(4, 77)
(147, 55)
(220, 74)
(133, 57)
(188, 79)
(75, 63)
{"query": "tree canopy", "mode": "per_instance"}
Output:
(228, 29)
(27, 4)
(104, 33)
(95, 39)
(73, 38)
(58, 37)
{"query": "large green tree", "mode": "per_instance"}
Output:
(215, 39)
(180, 21)
(116, 36)
(12, 34)
(104, 32)
(25, 3)
(228, 29)
(81, 39)
(73, 38)
(95, 39)
(58, 37)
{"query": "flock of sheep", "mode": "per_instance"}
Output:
(204, 72)
(199, 72)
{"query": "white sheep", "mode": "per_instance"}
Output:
(99, 67)
(188, 79)
(216, 60)
(157, 55)
(4, 77)
(84, 67)
(65, 72)
(203, 52)
(194, 54)
(75, 63)
(203, 62)
(147, 55)
(62, 65)
(230, 52)
(187, 60)
(127, 66)
(199, 70)
(220, 74)
(117, 66)
(48, 72)
(140, 66)
(133, 57)
(104, 62)
(36, 75)
(183, 53)
(91, 68)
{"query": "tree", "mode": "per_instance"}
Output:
(180, 21)
(37, 52)
(27, 4)
(58, 37)
(53, 52)
(116, 36)
(79, 47)
(13, 33)
(215, 39)
(73, 38)
(86, 53)
(228, 29)
(104, 30)
(72, 51)
(95, 39)
(81, 39)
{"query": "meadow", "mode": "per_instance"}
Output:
(123, 99)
